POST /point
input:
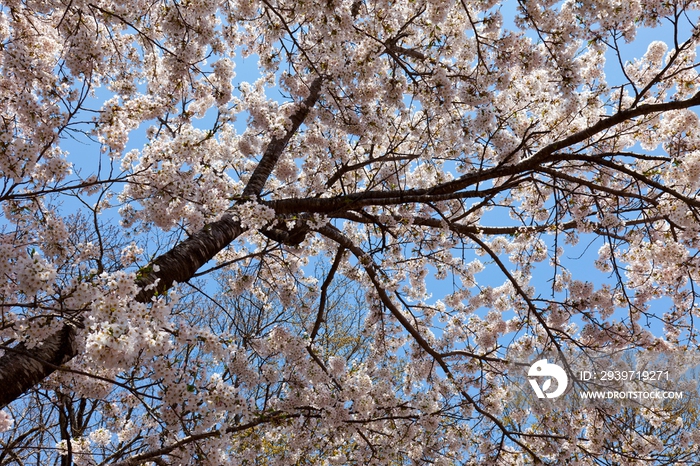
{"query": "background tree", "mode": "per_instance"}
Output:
(414, 203)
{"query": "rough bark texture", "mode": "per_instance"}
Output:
(180, 263)
(21, 369)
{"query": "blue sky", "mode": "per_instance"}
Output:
(86, 157)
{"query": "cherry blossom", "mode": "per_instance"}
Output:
(338, 232)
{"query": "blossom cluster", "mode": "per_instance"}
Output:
(461, 188)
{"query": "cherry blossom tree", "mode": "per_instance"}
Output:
(417, 195)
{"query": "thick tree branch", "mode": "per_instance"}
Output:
(454, 189)
(274, 150)
(22, 369)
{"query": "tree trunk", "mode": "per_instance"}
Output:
(21, 369)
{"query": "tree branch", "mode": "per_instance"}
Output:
(22, 369)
